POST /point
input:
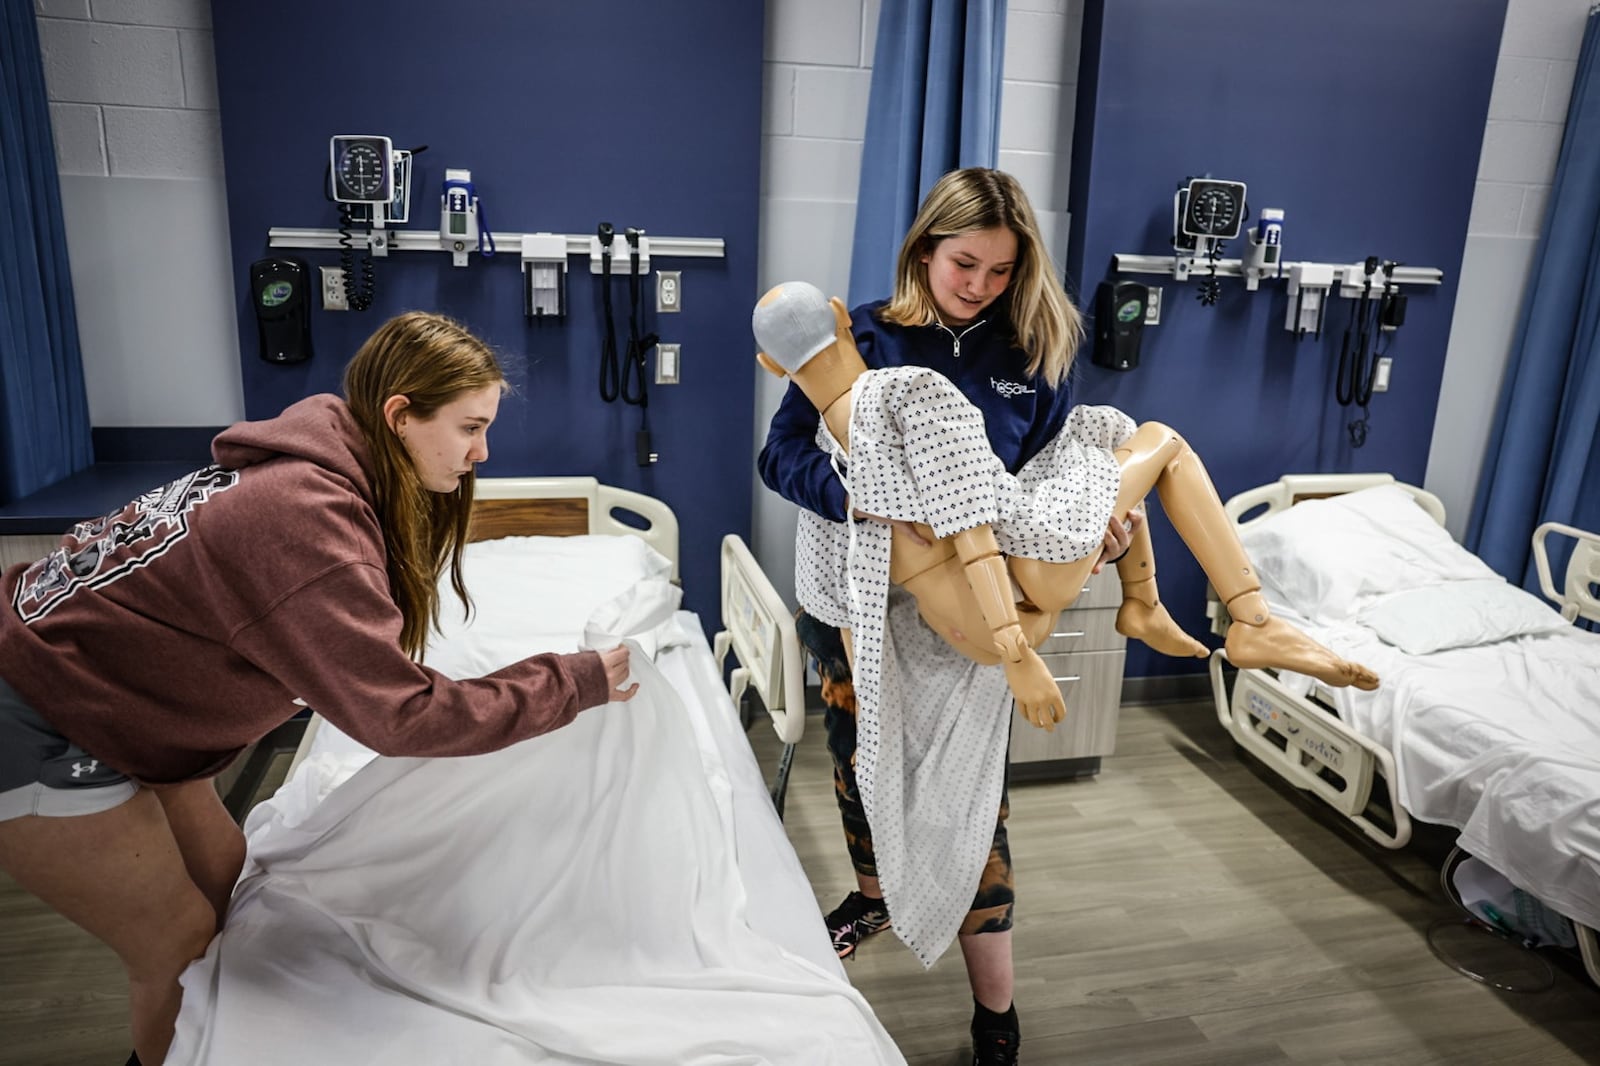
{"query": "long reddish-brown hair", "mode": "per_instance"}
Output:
(430, 360)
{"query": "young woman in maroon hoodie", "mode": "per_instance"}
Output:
(142, 654)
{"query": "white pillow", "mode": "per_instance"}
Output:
(638, 614)
(535, 594)
(1457, 614)
(1330, 557)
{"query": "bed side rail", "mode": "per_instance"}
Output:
(1308, 747)
(1577, 595)
(757, 626)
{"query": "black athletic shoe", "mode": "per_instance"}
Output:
(995, 1047)
(852, 921)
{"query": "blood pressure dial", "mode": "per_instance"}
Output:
(362, 170)
(1214, 208)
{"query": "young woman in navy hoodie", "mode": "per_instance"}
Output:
(141, 655)
(977, 300)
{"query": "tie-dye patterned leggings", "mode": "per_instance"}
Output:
(996, 897)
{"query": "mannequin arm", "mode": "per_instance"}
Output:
(1034, 689)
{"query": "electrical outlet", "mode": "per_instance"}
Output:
(667, 364)
(1152, 306)
(1380, 376)
(669, 291)
(333, 294)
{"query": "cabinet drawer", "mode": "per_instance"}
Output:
(1101, 590)
(1091, 686)
(1094, 629)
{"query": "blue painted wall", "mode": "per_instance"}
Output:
(1363, 121)
(567, 114)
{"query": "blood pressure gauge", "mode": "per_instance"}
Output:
(1213, 208)
(363, 169)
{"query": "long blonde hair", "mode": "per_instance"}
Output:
(430, 360)
(1048, 327)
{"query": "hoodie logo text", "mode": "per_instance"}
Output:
(98, 552)
(1008, 389)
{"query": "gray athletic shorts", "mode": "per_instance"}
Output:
(42, 772)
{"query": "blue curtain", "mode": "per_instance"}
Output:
(44, 410)
(934, 107)
(1543, 459)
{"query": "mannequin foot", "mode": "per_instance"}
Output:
(1154, 627)
(1277, 643)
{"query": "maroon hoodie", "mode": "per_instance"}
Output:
(164, 638)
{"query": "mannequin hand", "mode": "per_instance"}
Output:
(1118, 539)
(615, 660)
(1038, 698)
(900, 525)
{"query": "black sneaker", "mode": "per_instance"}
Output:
(852, 921)
(995, 1047)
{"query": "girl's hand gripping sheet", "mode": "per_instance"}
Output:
(615, 661)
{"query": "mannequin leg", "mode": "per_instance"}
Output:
(1142, 615)
(1156, 456)
(1037, 696)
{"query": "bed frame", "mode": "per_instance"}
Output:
(756, 625)
(1302, 738)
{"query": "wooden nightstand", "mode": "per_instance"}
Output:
(1085, 655)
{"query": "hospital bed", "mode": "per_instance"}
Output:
(618, 890)
(1487, 718)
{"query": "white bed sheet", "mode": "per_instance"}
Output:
(620, 890)
(1500, 740)
(781, 903)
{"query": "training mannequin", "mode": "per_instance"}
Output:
(963, 585)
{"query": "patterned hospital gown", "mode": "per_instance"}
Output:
(933, 726)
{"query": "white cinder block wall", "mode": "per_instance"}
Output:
(1532, 86)
(818, 73)
(133, 104)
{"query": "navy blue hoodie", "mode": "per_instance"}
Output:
(1020, 414)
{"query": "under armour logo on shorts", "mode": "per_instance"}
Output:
(81, 769)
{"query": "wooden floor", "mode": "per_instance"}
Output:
(1178, 909)
(63, 997)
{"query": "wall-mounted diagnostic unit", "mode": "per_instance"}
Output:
(361, 173)
(1205, 213)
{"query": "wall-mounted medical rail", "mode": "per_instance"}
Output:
(1181, 267)
(383, 241)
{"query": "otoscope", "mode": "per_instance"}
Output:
(1356, 376)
